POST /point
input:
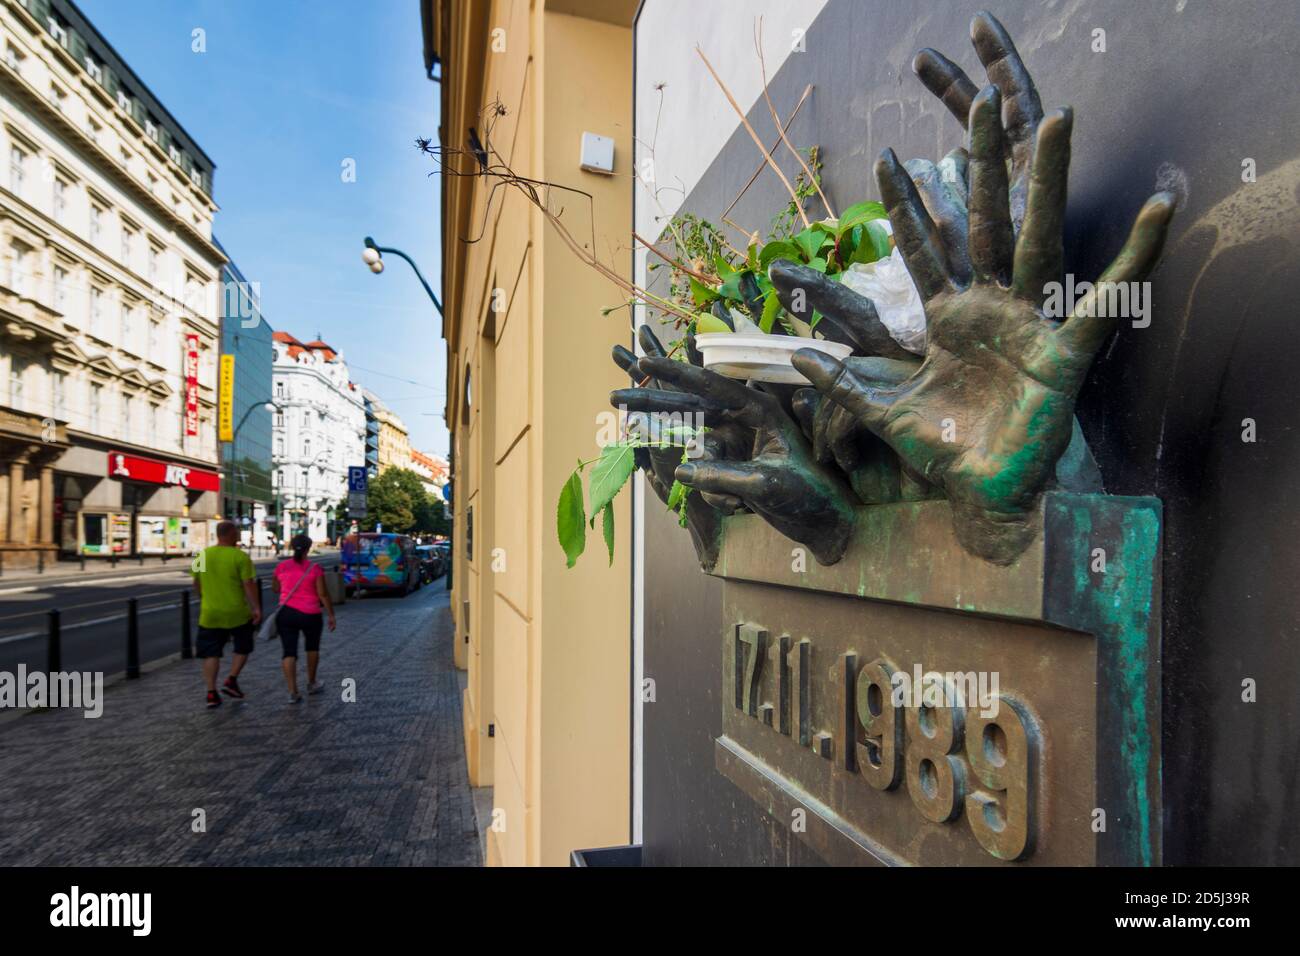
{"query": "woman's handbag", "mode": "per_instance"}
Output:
(267, 630)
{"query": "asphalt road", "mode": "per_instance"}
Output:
(93, 616)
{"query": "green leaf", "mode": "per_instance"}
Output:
(701, 293)
(675, 494)
(816, 317)
(771, 309)
(725, 268)
(810, 241)
(818, 263)
(609, 474)
(858, 214)
(607, 528)
(730, 288)
(569, 519)
(779, 249)
(708, 322)
(874, 243)
(751, 257)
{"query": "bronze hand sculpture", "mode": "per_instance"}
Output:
(779, 479)
(702, 512)
(989, 412)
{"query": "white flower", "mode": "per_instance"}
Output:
(887, 283)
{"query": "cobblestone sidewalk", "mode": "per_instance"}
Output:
(381, 781)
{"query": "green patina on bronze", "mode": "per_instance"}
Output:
(1119, 607)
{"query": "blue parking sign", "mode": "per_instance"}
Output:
(357, 479)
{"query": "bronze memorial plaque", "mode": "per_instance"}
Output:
(936, 709)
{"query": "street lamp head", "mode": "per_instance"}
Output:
(370, 256)
(377, 266)
(270, 406)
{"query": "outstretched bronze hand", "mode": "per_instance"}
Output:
(703, 520)
(1022, 111)
(988, 413)
(851, 318)
(780, 480)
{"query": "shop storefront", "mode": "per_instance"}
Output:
(135, 506)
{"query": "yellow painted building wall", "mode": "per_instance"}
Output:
(546, 648)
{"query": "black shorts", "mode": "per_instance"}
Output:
(290, 621)
(212, 640)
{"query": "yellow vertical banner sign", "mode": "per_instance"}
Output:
(226, 400)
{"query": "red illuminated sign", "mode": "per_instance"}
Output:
(191, 384)
(161, 473)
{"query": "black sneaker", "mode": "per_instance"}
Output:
(231, 689)
(214, 699)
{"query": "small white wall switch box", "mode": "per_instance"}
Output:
(597, 153)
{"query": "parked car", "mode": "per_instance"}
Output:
(432, 562)
(375, 561)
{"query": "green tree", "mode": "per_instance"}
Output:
(397, 500)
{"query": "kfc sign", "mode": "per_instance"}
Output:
(191, 384)
(155, 472)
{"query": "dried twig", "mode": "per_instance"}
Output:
(767, 155)
(754, 136)
(776, 120)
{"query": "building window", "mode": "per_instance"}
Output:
(129, 236)
(56, 30)
(18, 264)
(93, 68)
(306, 448)
(279, 446)
(96, 311)
(279, 418)
(153, 425)
(279, 393)
(151, 130)
(61, 289)
(153, 339)
(17, 169)
(124, 321)
(96, 405)
(154, 254)
(17, 367)
(124, 100)
(59, 383)
(96, 223)
(60, 199)
(124, 410)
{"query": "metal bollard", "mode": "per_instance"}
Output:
(83, 560)
(40, 562)
(187, 648)
(54, 647)
(132, 639)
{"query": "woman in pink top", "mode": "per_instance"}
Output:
(302, 586)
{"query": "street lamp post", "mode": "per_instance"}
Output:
(270, 406)
(372, 256)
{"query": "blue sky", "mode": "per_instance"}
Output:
(286, 91)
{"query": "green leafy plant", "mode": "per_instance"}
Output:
(609, 473)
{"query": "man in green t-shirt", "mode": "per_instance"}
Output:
(228, 608)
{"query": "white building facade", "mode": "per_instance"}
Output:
(319, 431)
(109, 302)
